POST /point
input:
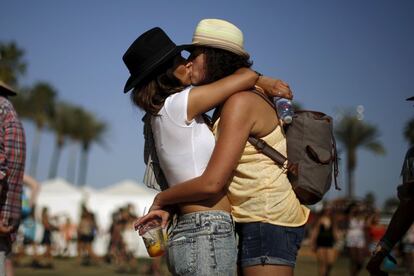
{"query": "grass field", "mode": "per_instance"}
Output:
(306, 266)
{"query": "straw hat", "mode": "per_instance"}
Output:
(147, 53)
(4, 88)
(218, 33)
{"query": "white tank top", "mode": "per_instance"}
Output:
(183, 147)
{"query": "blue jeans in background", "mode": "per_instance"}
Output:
(203, 243)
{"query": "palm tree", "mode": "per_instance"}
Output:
(89, 131)
(409, 131)
(64, 125)
(21, 103)
(353, 133)
(78, 116)
(11, 64)
(42, 104)
(71, 169)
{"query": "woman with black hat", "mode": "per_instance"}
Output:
(160, 79)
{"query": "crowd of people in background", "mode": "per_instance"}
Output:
(43, 236)
(340, 228)
(352, 229)
(119, 250)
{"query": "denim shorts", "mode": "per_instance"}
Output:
(203, 243)
(268, 244)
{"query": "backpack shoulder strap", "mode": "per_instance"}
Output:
(261, 145)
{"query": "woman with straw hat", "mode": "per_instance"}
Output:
(160, 79)
(269, 218)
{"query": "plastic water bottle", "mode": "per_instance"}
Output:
(284, 109)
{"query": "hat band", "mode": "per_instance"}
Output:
(219, 43)
(156, 59)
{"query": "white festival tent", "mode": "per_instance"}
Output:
(104, 202)
(64, 200)
(61, 198)
(118, 195)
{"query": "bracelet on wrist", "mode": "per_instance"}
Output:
(259, 74)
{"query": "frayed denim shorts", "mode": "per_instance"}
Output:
(268, 244)
(203, 243)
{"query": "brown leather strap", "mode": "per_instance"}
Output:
(335, 162)
(264, 147)
(267, 150)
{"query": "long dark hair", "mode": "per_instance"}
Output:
(221, 63)
(152, 92)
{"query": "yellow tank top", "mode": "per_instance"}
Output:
(261, 191)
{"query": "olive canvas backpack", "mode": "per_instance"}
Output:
(312, 159)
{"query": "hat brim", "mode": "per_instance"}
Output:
(410, 98)
(135, 80)
(7, 90)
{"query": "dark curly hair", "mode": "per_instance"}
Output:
(152, 92)
(221, 63)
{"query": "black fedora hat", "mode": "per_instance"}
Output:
(149, 51)
(410, 99)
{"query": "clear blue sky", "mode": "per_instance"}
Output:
(336, 55)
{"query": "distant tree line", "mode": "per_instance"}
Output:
(39, 104)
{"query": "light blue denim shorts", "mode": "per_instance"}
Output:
(203, 243)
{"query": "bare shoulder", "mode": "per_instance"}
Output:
(238, 107)
(241, 99)
(248, 101)
(252, 111)
(239, 110)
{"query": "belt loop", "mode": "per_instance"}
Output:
(198, 219)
